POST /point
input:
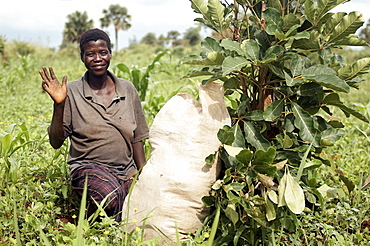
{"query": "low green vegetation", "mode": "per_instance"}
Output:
(36, 203)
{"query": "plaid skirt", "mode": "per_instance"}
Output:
(101, 183)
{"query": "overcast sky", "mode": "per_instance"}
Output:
(42, 21)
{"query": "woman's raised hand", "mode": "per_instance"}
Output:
(50, 84)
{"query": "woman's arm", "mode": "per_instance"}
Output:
(139, 154)
(57, 92)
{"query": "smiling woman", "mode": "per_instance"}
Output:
(103, 118)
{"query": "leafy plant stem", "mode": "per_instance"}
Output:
(214, 225)
(80, 240)
(15, 221)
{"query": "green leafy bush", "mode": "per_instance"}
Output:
(283, 83)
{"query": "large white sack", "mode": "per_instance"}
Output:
(171, 185)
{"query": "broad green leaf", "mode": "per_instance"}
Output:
(255, 115)
(281, 190)
(274, 110)
(211, 159)
(266, 180)
(313, 164)
(208, 201)
(354, 112)
(6, 141)
(327, 192)
(216, 12)
(272, 53)
(254, 137)
(313, 43)
(200, 7)
(325, 76)
(297, 65)
(244, 157)
(231, 150)
(350, 71)
(270, 210)
(251, 50)
(213, 78)
(309, 11)
(319, 70)
(332, 134)
(324, 6)
(280, 165)
(239, 138)
(193, 74)
(309, 89)
(292, 81)
(330, 23)
(348, 25)
(217, 185)
(237, 186)
(280, 35)
(214, 59)
(351, 40)
(286, 142)
(265, 169)
(192, 60)
(232, 46)
(277, 71)
(231, 213)
(305, 123)
(289, 21)
(225, 135)
(300, 35)
(232, 64)
(294, 196)
(293, 31)
(264, 157)
(273, 196)
(274, 22)
(334, 100)
(210, 45)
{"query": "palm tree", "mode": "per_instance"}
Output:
(77, 23)
(118, 16)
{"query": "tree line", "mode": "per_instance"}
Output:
(118, 16)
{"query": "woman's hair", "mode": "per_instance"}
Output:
(93, 35)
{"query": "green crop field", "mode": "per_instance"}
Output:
(36, 203)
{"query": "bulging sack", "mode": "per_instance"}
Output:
(168, 194)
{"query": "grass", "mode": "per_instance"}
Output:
(36, 202)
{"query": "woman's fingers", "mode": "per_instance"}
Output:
(52, 75)
(46, 74)
(42, 74)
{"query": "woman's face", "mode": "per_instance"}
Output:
(96, 57)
